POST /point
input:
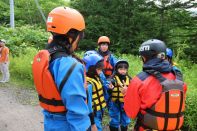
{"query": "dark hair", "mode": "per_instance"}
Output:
(92, 69)
(92, 72)
(62, 41)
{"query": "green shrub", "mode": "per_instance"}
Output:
(20, 66)
(191, 111)
(20, 38)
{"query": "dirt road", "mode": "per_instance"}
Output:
(19, 110)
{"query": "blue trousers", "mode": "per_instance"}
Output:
(98, 116)
(118, 115)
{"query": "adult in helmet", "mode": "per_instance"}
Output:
(70, 113)
(96, 100)
(4, 61)
(151, 94)
(109, 59)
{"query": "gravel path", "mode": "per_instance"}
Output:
(19, 110)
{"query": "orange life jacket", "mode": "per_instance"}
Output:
(167, 112)
(49, 95)
(108, 68)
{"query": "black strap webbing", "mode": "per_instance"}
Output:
(166, 110)
(107, 69)
(160, 114)
(180, 108)
(58, 55)
(66, 77)
(57, 52)
(50, 101)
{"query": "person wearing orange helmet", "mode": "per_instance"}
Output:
(59, 75)
(109, 59)
(109, 64)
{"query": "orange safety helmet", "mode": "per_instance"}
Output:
(62, 19)
(103, 39)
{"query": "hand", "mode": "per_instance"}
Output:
(94, 128)
(111, 86)
(124, 88)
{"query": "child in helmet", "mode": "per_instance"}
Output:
(105, 82)
(169, 55)
(96, 100)
(120, 81)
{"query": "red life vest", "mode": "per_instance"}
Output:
(167, 112)
(108, 68)
(49, 95)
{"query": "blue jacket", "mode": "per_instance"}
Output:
(73, 96)
(113, 60)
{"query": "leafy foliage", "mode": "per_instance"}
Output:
(27, 12)
(130, 22)
(20, 38)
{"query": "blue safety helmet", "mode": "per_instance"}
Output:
(92, 60)
(90, 52)
(169, 53)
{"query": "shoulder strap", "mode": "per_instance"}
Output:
(56, 52)
(178, 75)
(156, 74)
(66, 77)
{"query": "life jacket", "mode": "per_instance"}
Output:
(98, 100)
(167, 112)
(116, 94)
(108, 68)
(48, 93)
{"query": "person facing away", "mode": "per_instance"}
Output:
(96, 100)
(109, 59)
(59, 75)
(156, 96)
(4, 61)
(120, 80)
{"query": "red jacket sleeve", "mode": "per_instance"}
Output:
(132, 100)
